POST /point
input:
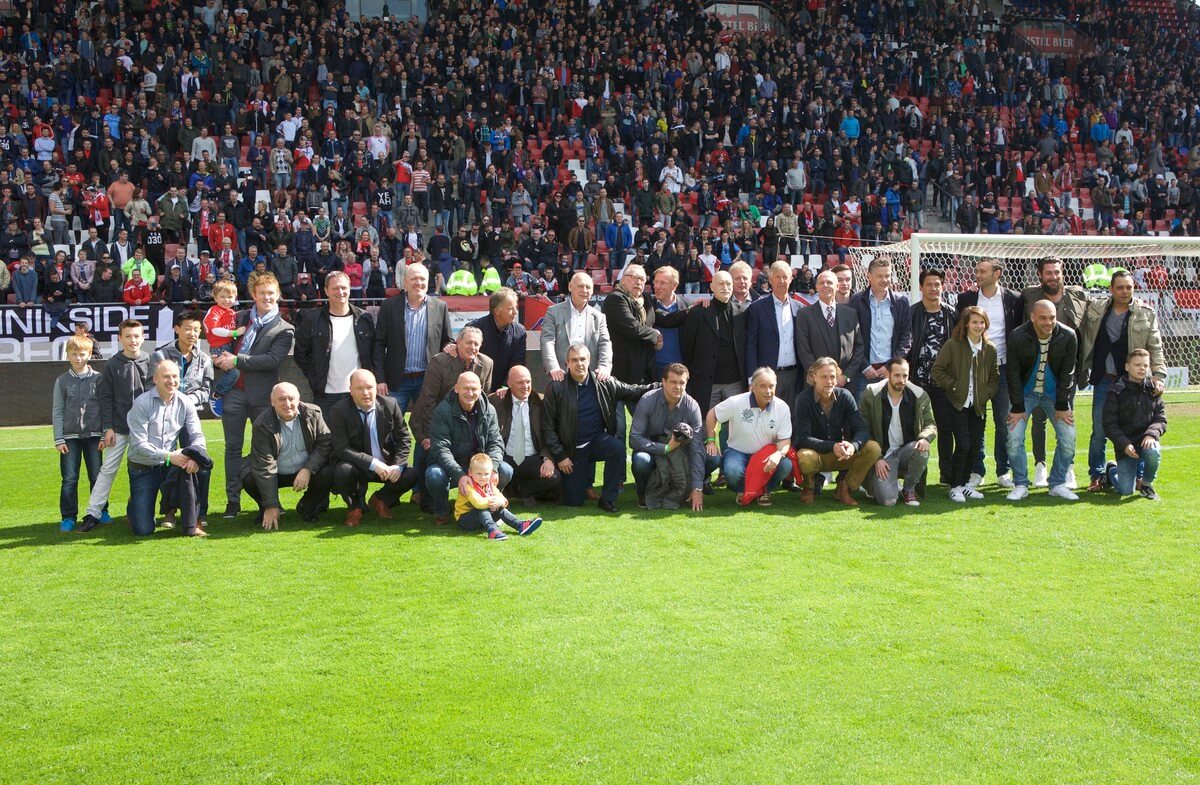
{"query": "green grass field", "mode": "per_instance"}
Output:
(1039, 643)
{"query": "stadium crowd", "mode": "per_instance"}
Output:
(159, 152)
(515, 142)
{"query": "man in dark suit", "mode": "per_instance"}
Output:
(1006, 311)
(289, 446)
(829, 329)
(332, 341)
(265, 343)
(520, 416)
(631, 327)
(370, 443)
(409, 331)
(885, 322)
(713, 345)
(771, 332)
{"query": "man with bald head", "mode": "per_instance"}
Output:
(464, 423)
(519, 413)
(713, 345)
(157, 419)
(289, 446)
(1041, 375)
(370, 443)
(574, 321)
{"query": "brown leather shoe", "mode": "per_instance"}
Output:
(842, 494)
(1096, 485)
(441, 520)
(807, 494)
(353, 517)
(378, 506)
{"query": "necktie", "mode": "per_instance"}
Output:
(372, 436)
(518, 433)
(829, 314)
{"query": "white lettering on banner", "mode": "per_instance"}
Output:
(38, 335)
(460, 319)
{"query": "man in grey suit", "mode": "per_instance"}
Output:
(572, 322)
(290, 445)
(409, 332)
(829, 329)
(257, 355)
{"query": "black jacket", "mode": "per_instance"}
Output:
(561, 410)
(314, 339)
(1023, 355)
(633, 339)
(1014, 308)
(812, 430)
(916, 314)
(350, 442)
(1132, 412)
(698, 346)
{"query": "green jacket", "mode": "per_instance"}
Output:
(1142, 332)
(952, 366)
(172, 216)
(451, 436)
(920, 421)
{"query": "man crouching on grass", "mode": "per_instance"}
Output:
(1135, 420)
(157, 419)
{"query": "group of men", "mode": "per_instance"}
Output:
(763, 391)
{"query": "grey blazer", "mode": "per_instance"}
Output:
(816, 339)
(556, 339)
(259, 364)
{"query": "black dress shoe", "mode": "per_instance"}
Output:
(232, 510)
(88, 523)
(708, 489)
(607, 507)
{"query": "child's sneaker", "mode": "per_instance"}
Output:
(105, 518)
(215, 405)
(529, 526)
(67, 525)
(88, 523)
(494, 533)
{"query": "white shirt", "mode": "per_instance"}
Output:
(343, 354)
(751, 428)
(785, 320)
(577, 325)
(895, 434)
(520, 411)
(975, 349)
(994, 308)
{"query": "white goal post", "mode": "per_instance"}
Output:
(1166, 273)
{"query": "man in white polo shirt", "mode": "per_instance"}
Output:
(756, 419)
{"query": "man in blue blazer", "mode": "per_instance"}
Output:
(771, 333)
(884, 317)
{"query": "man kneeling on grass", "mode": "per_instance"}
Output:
(1135, 420)
(831, 434)
(157, 419)
(760, 429)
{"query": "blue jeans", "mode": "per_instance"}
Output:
(437, 485)
(643, 467)
(227, 379)
(734, 466)
(1098, 445)
(407, 392)
(144, 483)
(1124, 477)
(1000, 410)
(1064, 450)
(606, 448)
(79, 451)
(479, 520)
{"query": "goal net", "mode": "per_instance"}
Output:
(1166, 273)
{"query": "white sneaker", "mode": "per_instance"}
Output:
(1040, 478)
(1004, 481)
(1018, 493)
(975, 480)
(1064, 492)
(971, 493)
(956, 495)
(1070, 483)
